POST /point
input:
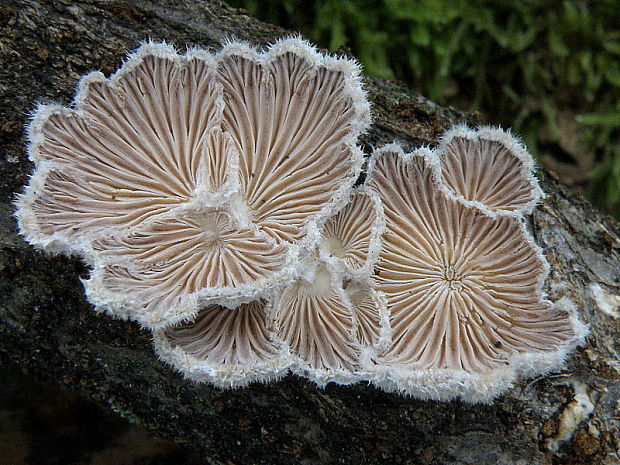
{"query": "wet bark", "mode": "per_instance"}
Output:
(48, 329)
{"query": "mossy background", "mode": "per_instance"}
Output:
(549, 69)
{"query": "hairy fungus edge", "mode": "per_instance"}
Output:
(494, 134)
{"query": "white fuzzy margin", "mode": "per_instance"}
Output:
(511, 143)
(353, 88)
(483, 387)
(129, 305)
(223, 376)
(28, 223)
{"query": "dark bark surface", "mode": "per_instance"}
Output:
(48, 328)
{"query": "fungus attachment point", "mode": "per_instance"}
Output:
(330, 318)
(464, 289)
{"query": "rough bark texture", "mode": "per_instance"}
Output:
(47, 327)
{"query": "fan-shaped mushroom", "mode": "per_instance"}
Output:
(193, 180)
(464, 290)
(226, 347)
(487, 169)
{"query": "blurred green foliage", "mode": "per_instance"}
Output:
(526, 64)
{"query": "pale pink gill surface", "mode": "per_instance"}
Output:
(463, 289)
(221, 336)
(132, 167)
(328, 319)
(133, 173)
(488, 170)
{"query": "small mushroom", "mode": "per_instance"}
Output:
(226, 347)
(487, 169)
(373, 333)
(464, 289)
(331, 319)
(129, 150)
(353, 235)
(315, 321)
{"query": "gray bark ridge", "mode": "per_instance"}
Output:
(47, 327)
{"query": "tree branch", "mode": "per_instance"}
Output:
(47, 327)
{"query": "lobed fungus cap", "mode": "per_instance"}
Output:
(488, 169)
(227, 348)
(195, 180)
(463, 288)
(326, 325)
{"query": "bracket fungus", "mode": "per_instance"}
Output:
(330, 318)
(212, 196)
(463, 279)
(487, 169)
(323, 325)
(194, 180)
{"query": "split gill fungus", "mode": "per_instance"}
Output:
(212, 196)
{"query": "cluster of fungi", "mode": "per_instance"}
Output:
(214, 197)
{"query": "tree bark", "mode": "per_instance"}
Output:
(48, 328)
